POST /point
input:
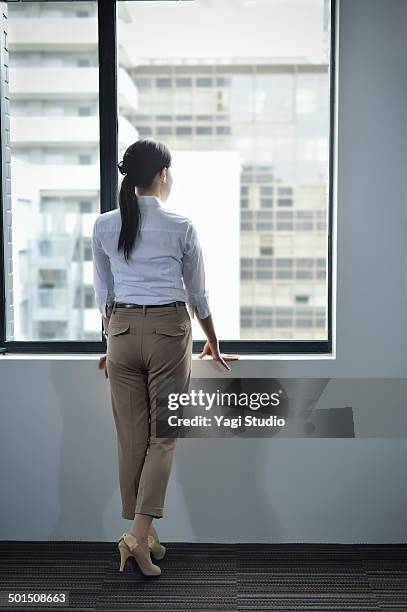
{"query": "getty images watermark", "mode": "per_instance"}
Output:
(200, 413)
(281, 407)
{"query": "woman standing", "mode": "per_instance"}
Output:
(148, 267)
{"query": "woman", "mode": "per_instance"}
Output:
(148, 267)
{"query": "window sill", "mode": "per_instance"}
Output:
(96, 356)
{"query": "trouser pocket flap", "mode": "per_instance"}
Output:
(115, 329)
(174, 330)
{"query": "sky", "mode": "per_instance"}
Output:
(278, 31)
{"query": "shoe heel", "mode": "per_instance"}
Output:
(124, 555)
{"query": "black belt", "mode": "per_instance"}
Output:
(126, 305)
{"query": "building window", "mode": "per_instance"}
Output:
(181, 130)
(302, 299)
(285, 191)
(264, 215)
(144, 130)
(85, 206)
(143, 82)
(223, 130)
(183, 82)
(163, 82)
(204, 130)
(204, 82)
(85, 159)
(84, 111)
(164, 131)
(223, 82)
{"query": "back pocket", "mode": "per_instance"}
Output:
(171, 330)
(116, 329)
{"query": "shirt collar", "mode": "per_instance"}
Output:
(149, 200)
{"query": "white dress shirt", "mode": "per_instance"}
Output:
(166, 264)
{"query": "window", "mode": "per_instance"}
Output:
(60, 160)
(143, 82)
(85, 159)
(257, 137)
(186, 82)
(84, 111)
(163, 82)
(223, 82)
(146, 131)
(183, 130)
(223, 129)
(85, 206)
(204, 82)
(164, 131)
(204, 130)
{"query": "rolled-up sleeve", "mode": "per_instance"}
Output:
(103, 282)
(193, 272)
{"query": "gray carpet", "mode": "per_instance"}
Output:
(286, 577)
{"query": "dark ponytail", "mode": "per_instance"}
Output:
(142, 161)
(130, 214)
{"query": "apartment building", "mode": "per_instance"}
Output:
(54, 127)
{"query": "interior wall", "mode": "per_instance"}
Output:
(57, 440)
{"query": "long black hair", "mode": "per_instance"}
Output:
(142, 160)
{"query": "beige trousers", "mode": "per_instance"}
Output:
(149, 354)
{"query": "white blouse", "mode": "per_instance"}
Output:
(166, 264)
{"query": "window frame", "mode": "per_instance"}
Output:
(108, 158)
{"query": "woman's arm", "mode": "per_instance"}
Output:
(102, 279)
(103, 286)
(194, 281)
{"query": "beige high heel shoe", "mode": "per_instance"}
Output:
(157, 550)
(129, 547)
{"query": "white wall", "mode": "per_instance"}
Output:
(57, 439)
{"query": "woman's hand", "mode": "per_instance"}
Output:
(102, 364)
(211, 348)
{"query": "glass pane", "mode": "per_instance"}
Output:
(251, 165)
(54, 139)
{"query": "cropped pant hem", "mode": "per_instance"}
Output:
(154, 512)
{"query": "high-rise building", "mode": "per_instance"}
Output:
(54, 127)
(283, 203)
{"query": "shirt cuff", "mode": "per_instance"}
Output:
(103, 301)
(108, 305)
(201, 303)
